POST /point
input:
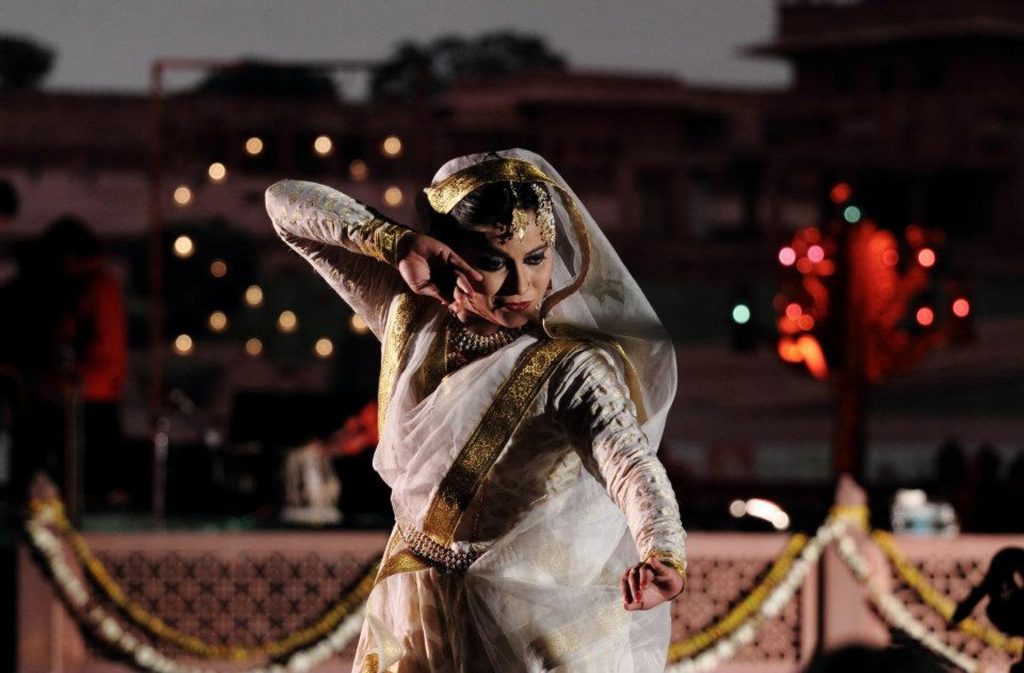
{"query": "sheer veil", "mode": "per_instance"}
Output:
(596, 296)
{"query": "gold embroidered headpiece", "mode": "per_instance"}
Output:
(444, 195)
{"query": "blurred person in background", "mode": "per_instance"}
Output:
(8, 374)
(864, 659)
(66, 338)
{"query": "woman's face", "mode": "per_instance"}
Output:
(516, 275)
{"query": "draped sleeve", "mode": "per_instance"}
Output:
(353, 248)
(590, 401)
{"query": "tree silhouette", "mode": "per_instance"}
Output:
(430, 69)
(23, 63)
(260, 79)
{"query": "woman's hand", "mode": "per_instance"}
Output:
(648, 584)
(427, 259)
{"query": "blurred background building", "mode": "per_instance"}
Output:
(917, 107)
(185, 370)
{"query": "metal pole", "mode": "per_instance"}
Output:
(156, 284)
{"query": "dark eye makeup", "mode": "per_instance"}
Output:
(491, 262)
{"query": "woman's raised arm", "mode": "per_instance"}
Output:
(354, 249)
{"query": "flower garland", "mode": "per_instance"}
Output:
(326, 638)
(701, 652)
(942, 605)
(769, 603)
(894, 611)
(742, 612)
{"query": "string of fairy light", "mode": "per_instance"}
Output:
(184, 246)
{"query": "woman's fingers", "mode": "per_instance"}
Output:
(646, 576)
(461, 283)
(461, 265)
(627, 595)
(428, 289)
(634, 585)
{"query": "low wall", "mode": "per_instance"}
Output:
(250, 588)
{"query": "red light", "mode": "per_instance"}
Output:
(961, 307)
(804, 266)
(926, 257)
(787, 256)
(840, 193)
(915, 235)
(805, 322)
(793, 311)
(925, 316)
(890, 257)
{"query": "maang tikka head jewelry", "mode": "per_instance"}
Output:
(545, 217)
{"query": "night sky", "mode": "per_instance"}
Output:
(108, 44)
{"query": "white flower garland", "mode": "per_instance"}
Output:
(780, 596)
(107, 628)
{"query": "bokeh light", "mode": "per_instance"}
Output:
(184, 247)
(815, 253)
(253, 347)
(793, 311)
(890, 257)
(218, 321)
(183, 344)
(218, 268)
(741, 314)
(926, 257)
(254, 146)
(925, 316)
(323, 145)
(217, 171)
(840, 193)
(254, 295)
(392, 146)
(182, 195)
(393, 196)
(358, 170)
(357, 324)
(287, 321)
(787, 256)
(324, 347)
(852, 214)
(961, 307)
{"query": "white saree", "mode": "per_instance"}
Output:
(515, 520)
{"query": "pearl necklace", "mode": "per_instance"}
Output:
(467, 345)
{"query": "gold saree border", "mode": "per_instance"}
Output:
(408, 311)
(460, 484)
(557, 648)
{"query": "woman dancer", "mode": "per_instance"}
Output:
(524, 386)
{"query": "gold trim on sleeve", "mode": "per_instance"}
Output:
(386, 239)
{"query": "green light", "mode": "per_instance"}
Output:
(741, 314)
(851, 214)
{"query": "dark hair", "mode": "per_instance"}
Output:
(69, 236)
(8, 199)
(492, 204)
